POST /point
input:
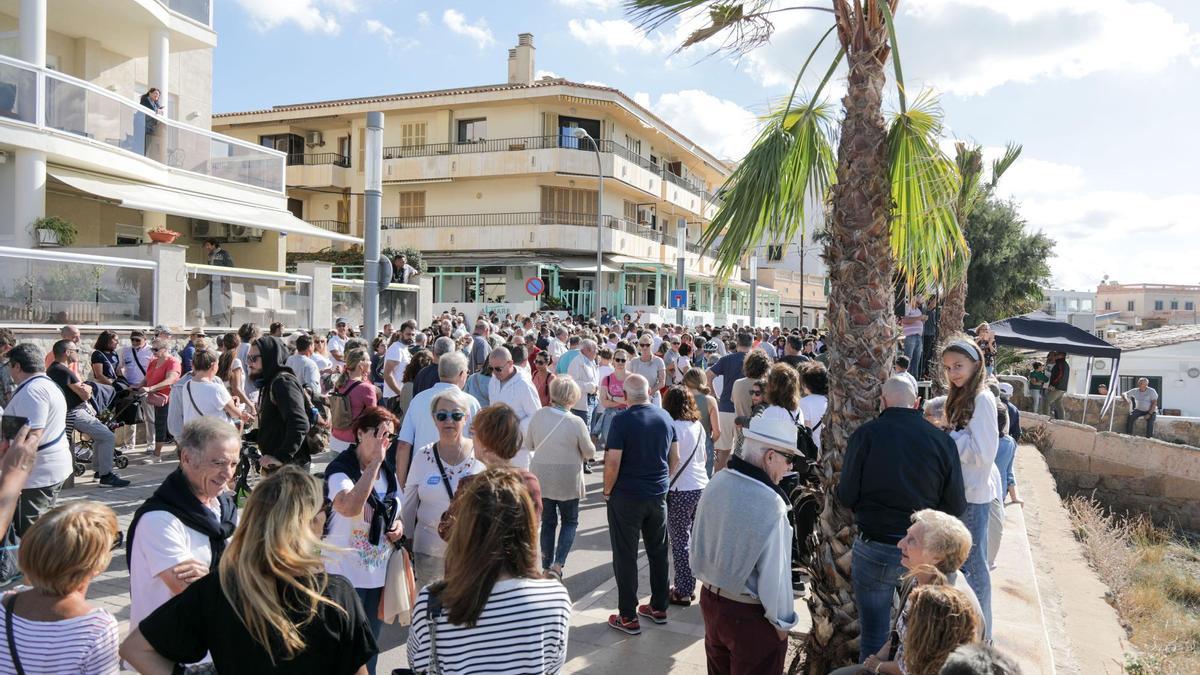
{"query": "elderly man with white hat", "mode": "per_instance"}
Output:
(742, 554)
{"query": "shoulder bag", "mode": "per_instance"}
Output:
(8, 632)
(433, 609)
(684, 465)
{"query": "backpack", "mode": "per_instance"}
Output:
(341, 416)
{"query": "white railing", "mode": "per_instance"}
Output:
(41, 287)
(57, 102)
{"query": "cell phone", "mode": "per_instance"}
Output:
(10, 425)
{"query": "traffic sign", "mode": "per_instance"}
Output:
(679, 298)
(534, 286)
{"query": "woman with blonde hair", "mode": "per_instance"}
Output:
(697, 383)
(353, 387)
(559, 444)
(270, 607)
(494, 593)
(940, 619)
(52, 628)
(970, 414)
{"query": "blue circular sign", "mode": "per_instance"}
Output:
(534, 286)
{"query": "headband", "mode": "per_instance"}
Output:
(971, 350)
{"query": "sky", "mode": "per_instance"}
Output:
(1102, 94)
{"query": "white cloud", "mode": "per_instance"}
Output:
(423, 19)
(720, 126)
(546, 73)
(319, 16)
(970, 47)
(600, 5)
(478, 31)
(388, 35)
(616, 35)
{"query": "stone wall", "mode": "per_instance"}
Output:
(1131, 473)
(1182, 430)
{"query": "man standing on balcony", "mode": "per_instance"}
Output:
(402, 272)
(217, 256)
(219, 292)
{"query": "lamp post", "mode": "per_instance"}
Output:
(373, 198)
(581, 134)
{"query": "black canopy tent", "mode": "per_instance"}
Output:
(1043, 332)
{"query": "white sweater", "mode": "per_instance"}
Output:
(977, 445)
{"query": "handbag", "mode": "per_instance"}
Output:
(399, 589)
(432, 610)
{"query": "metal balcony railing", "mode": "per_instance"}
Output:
(332, 225)
(317, 159)
(683, 182)
(49, 100)
(467, 220)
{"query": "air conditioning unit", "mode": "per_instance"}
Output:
(244, 233)
(314, 138)
(205, 229)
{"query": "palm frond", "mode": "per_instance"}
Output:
(1011, 152)
(787, 171)
(926, 237)
(745, 24)
(969, 160)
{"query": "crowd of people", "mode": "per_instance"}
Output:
(457, 456)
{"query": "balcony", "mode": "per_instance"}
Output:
(683, 193)
(199, 11)
(44, 100)
(320, 169)
(332, 225)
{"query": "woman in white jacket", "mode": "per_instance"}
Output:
(971, 416)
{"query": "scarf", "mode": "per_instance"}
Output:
(750, 471)
(175, 496)
(383, 511)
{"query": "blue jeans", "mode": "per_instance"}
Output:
(979, 578)
(370, 598)
(875, 575)
(585, 415)
(551, 508)
(913, 350)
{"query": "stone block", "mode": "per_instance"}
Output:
(1072, 437)
(1107, 468)
(1087, 481)
(1174, 487)
(1061, 459)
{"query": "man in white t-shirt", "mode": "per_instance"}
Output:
(303, 365)
(337, 341)
(396, 359)
(509, 385)
(136, 358)
(178, 535)
(41, 401)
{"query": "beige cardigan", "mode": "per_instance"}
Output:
(559, 443)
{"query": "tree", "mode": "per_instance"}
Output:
(1008, 264)
(890, 192)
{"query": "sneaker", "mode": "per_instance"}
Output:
(650, 613)
(113, 480)
(627, 626)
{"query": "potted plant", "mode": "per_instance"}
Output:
(54, 231)
(162, 235)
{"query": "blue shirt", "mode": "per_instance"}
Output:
(564, 362)
(730, 366)
(643, 434)
(186, 356)
(1006, 452)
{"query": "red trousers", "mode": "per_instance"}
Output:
(738, 639)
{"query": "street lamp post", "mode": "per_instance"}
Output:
(581, 134)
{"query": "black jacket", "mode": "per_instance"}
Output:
(282, 407)
(895, 466)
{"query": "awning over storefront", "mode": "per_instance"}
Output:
(147, 197)
(584, 265)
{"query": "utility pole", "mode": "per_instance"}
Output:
(754, 288)
(373, 194)
(803, 321)
(680, 273)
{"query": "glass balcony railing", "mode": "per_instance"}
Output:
(196, 10)
(56, 287)
(61, 103)
(228, 297)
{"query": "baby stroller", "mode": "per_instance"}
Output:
(115, 408)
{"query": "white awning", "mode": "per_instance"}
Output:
(583, 265)
(147, 197)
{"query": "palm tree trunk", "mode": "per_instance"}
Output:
(862, 340)
(950, 323)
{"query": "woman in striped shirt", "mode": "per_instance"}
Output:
(493, 612)
(52, 629)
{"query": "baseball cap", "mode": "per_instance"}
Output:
(1006, 389)
(341, 321)
(711, 346)
(160, 329)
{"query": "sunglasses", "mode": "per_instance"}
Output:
(756, 392)
(620, 360)
(442, 416)
(253, 357)
(644, 344)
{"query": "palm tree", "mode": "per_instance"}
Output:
(972, 192)
(890, 194)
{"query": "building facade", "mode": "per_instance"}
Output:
(80, 147)
(1146, 306)
(497, 184)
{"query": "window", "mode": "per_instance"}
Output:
(633, 144)
(470, 131)
(568, 206)
(566, 132)
(1174, 304)
(1129, 306)
(1158, 305)
(630, 211)
(1189, 306)
(412, 134)
(1108, 304)
(292, 144)
(412, 205)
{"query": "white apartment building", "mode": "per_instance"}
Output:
(76, 146)
(494, 187)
